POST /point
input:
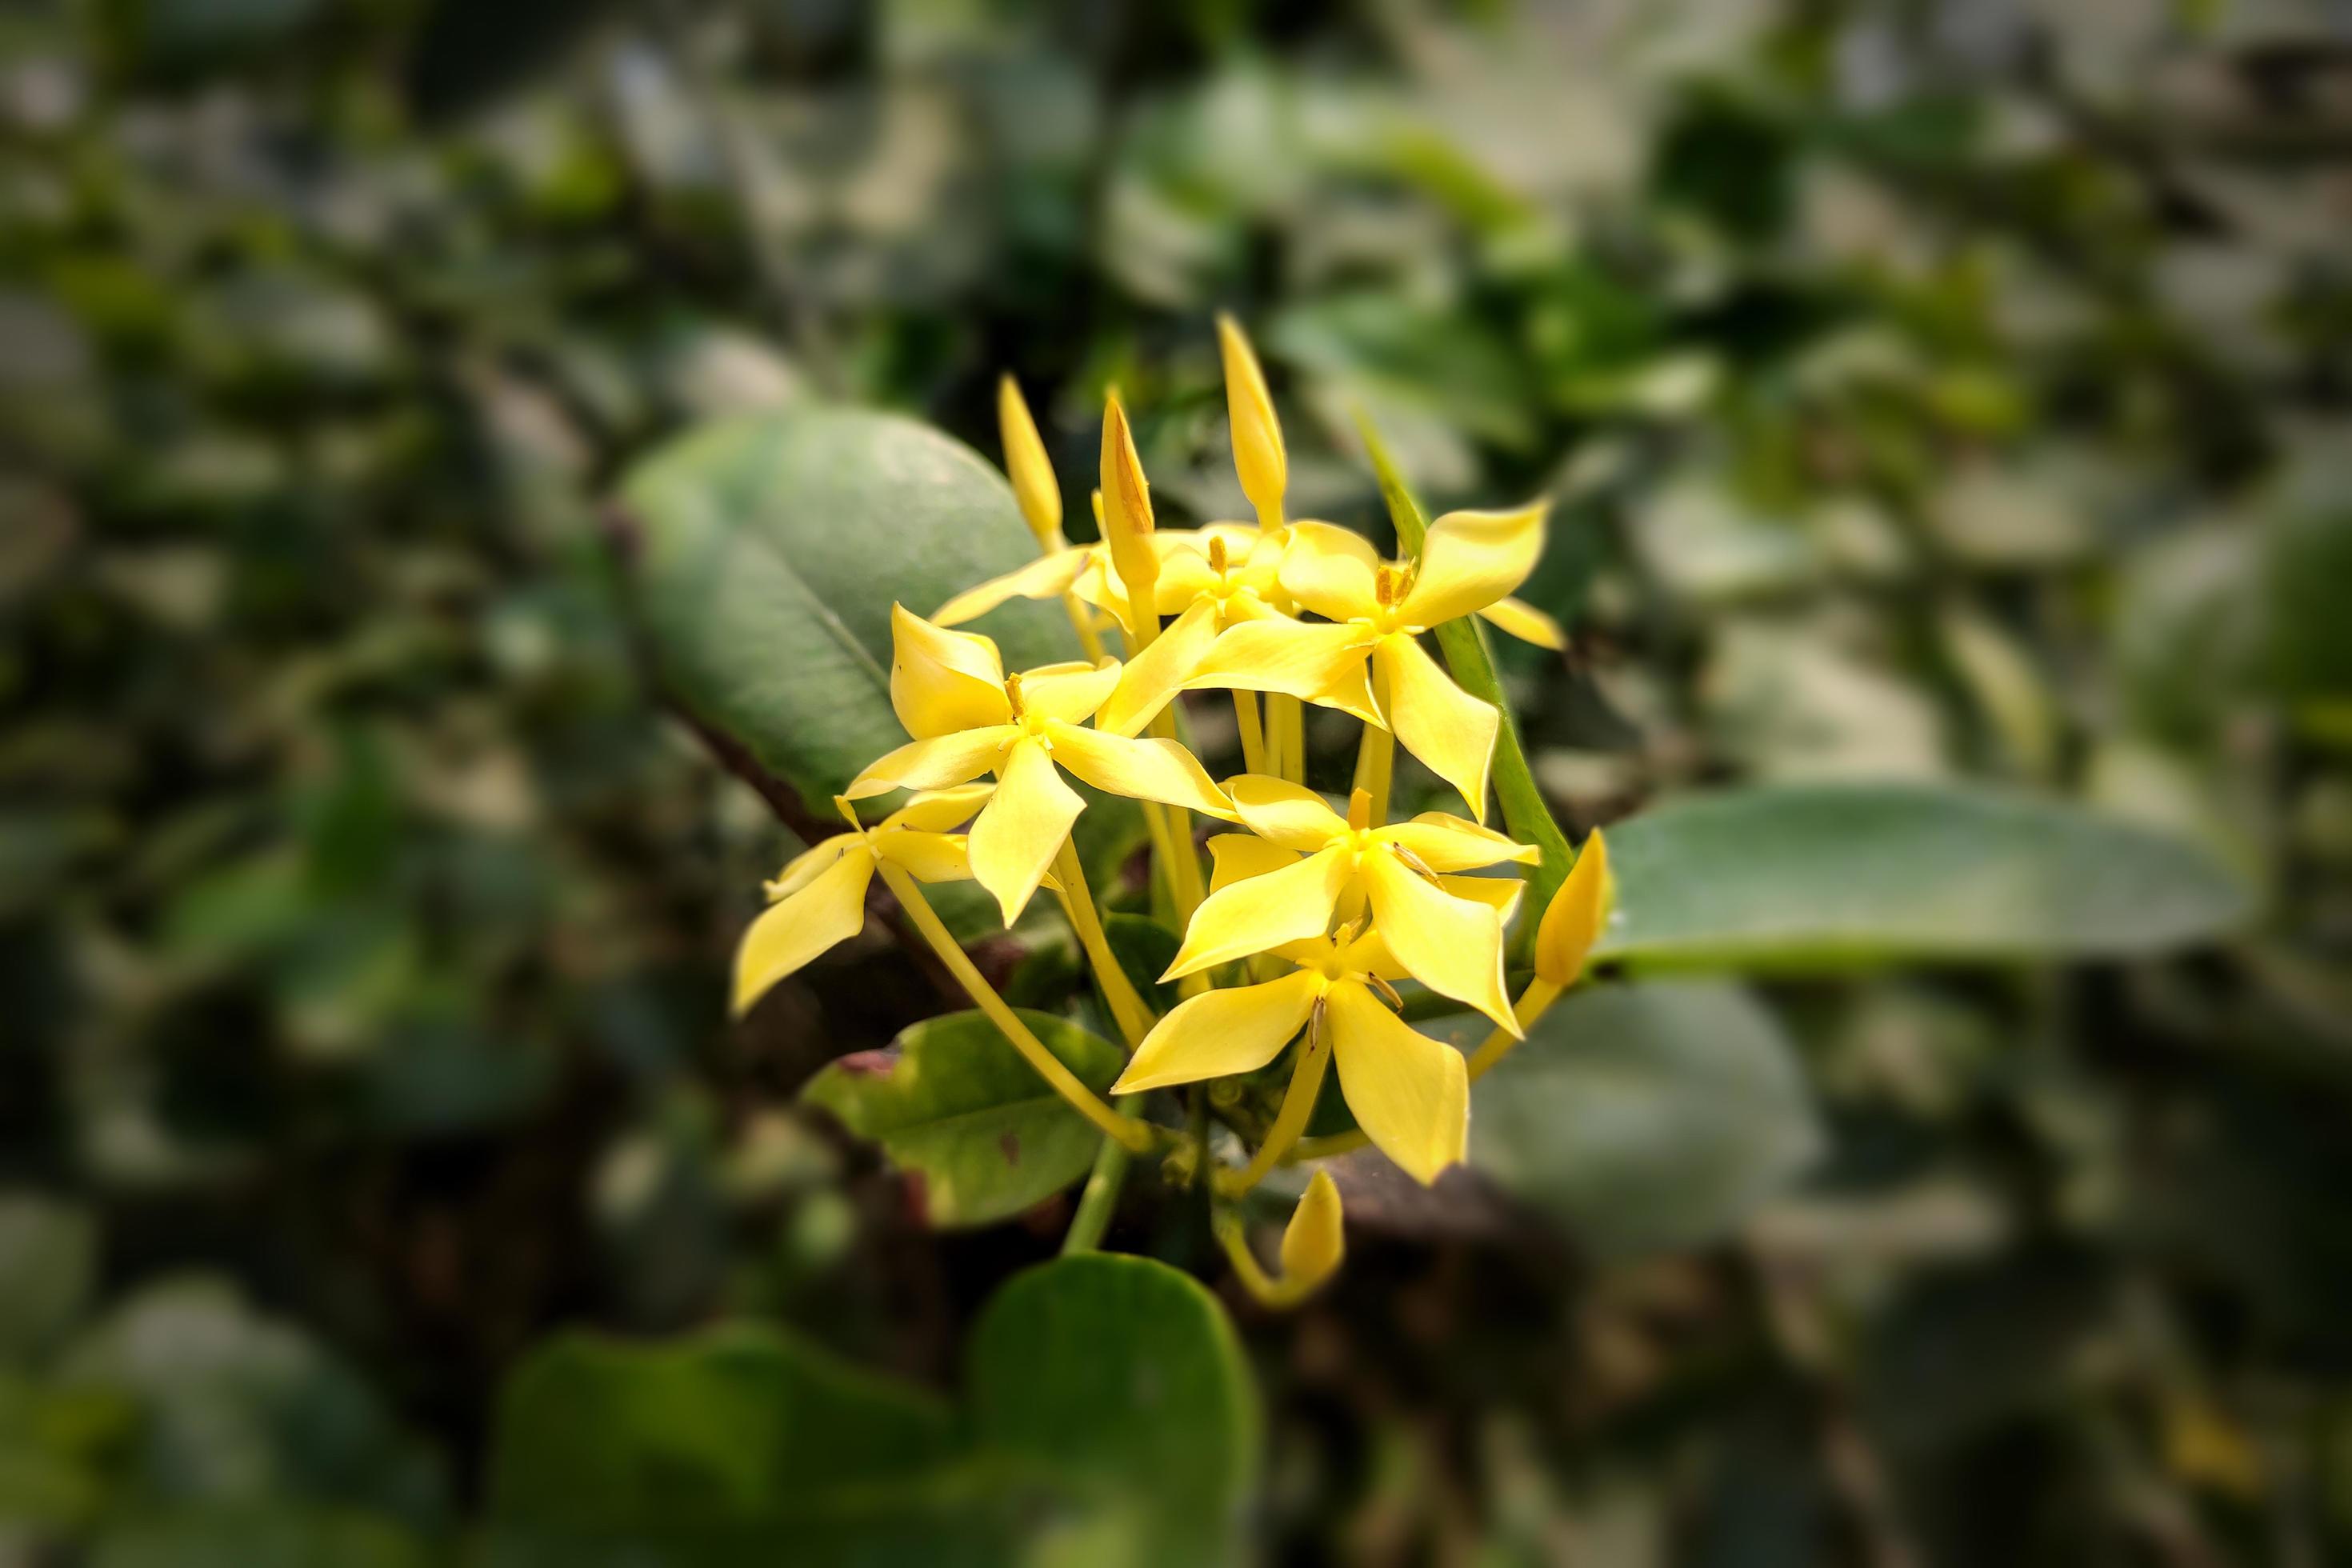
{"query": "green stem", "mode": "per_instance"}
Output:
(1464, 643)
(1099, 1199)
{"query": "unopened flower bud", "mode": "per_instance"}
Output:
(1314, 1243)
(1258, 457)
(1031, 471)
(1127, 507)
(1572, 924)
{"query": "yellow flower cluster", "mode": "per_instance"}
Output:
(1309, 917)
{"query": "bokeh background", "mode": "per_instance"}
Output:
(1954, 388)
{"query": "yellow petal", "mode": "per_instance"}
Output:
(1262, 912)
(936, 763)
(808, 865)
(1148, 769)
(1453, 946)
(1331, 569)
(1026, 464)
(1316, 663)
(940, 680)
(1572, 924)
(1236, 856)
(1047, 577)
(1450, 731)
(928, 857)
(1290, 814)
(1068, 692)
(828, 909)
(1258, 455)
(1219, 1033)
(938, 811)
(1501, 894)
(1022, 828)
(1524, 622)
(1446, 843)
(1470, 559)
(1314, 1243)
(1410, 1094)
(1157, 673)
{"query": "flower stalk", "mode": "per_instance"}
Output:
(1134, 1135)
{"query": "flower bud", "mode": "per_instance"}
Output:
(1313, 1244)
(1572, 924)
(1031, 471)
(1127, 508)
(1258, 455)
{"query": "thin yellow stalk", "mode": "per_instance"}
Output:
(1297, 1106)
(1376, 761)
(1252, 740)
(1283, 719)
(1129, 1010)
(1130, 1132)
(1082, 621)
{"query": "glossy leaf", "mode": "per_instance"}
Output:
(767, 551)
(1125, 1371)
(1647, 1116)
(978, 1134)
(1819, 877)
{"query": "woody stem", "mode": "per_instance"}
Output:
(1134, 1134)
(1127, 1007)
(1297, 1106)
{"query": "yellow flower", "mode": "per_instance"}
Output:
(968, 718)
(818, 900)
(1309, 865)
(1410, 1093)
(1469, 562)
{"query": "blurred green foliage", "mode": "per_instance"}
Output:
(1927, 392)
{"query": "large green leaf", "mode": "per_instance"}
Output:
(1644, 1117)
(1128, 1372)
(767, 552)
(734, 1426)
(957, 1108)
(1822, 875)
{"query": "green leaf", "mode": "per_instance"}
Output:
(1828, 876)
(1464, 643)
(1647, 1116)
(737, 1425)
(980, 1134)
(767, 551)
(1126, 1372)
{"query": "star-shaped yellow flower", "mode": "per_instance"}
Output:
(968, 718)
(1410, 1094)
(1309, 865)
(1469, 563)
(818, 900)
